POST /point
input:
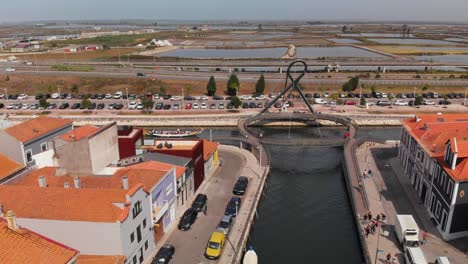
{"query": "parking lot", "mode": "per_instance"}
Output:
(121, 101)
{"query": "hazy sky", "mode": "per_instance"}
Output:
(428, 10)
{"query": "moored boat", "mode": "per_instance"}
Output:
(250, 257)
(178, 133)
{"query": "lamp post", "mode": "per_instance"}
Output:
(414, 93)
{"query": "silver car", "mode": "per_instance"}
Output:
(225, 224)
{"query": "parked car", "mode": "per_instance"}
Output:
(140, 74)
(22, 96)
(118, 95)
(233, 206)
(215, 245)
(52, 106)
(383, 103)
(195, 106)
(188, 106)
(75, 106)
(203, 105)
(400, 103)
(9, 69)
(347, 102)
(101, 106)
(225, 224)
(92, 106)
(132, 105)
(212, 106)
(108, 96)
(175, 98)
(187, 219)
(167, 107)
(199, 202)
(111, 106)
(241, 185)
(175, 107)
(252, 105)
(245, 105)
(444, 102)
(159, 106)
(55, 96)
(221, 105)
(260, 97)
(217, 97)
(428, 102)
(164, 255)
(204, 98)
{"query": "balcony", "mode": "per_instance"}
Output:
(159, 211)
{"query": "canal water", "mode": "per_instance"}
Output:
(305, 214)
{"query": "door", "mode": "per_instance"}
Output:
(423, 193)
(444, 220)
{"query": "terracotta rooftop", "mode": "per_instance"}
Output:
(79, 133)
(99, 259)
(145, 173)
(460, 173)
(8, 167)
(433, 131)
(36, 127)
(209, 148)
(25, 246)
(85, 204)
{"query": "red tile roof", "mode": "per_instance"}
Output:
(209, 148)
(99, 259)
(161, 166)
(85, 204)
(79, 133)
(433, 132)
(8, 167)
(36, 127)
(24, 246)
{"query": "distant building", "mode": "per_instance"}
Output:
(20, 245)
(25, 142)
(434, 154)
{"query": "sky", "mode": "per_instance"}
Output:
(396, 10)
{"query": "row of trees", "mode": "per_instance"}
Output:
(233, 86)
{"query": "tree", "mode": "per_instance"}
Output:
(7, 78)
(236, 102)
(418, 100)
(425, 87)
(362, 101)
(260, 85)
(162, 90)
(148, 103)
(85, 102)
(233, 85)
(74, 88)
(211, 86)
(351, 85)
(377, 76)
(43, 103)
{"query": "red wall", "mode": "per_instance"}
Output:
(196, 154)
(127, 145)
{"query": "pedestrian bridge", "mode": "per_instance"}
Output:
(302, 117)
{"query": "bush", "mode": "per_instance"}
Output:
(377, 76)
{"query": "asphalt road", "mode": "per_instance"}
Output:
(190, 245)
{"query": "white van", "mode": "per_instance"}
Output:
(414, 255)
(320, 101)
(442, 260)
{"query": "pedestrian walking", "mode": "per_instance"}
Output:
(384, 217)
(394, 258)
(205, 209)
(378, 217)
(372, 229)
(424, 237)
(365, 218)
(367, 231)
(389, 257)
(369, 173)
(369, 215)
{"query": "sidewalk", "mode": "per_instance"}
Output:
(391, 191)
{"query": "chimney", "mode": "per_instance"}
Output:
(66, 185)
(42, 181)
(77, 182)
(11, 219)
(125, 182)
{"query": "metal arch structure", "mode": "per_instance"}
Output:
(293, 86)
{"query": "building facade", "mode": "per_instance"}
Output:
(433, 151)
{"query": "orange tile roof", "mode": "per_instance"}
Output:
(146, 174)
(161, 166)
(85, 204)
(36, 127)
(462, 147)
(79, 133)
(209, 148)
(24, 246)
(433, 131)
(460, 173)
(8, 167)
(99, 259)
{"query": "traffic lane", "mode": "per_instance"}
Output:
(190, 245)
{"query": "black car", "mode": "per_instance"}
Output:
(64, 106)
(217, 97)
(75, 106)
(240, 186)
(444, 102)
(278, 105)
(101, 106)
(82, 106)
(118, 106)
(252, 105)
(140, 74)
(159, 106)
(230, 106)
(245, 105)
(316, 95)
(100, 96)
(308, 95)
(164, 255)
(167, 96)
(233, 206)
(38, 96)
(259, 105)
(188, 219)
(93, 96)
(92, 106)
(199, 202)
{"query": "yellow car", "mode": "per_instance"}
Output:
(215, 245)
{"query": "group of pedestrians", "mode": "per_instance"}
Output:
(372, 224)
(367, 174)
(391, 259)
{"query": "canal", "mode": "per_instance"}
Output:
(305, 214)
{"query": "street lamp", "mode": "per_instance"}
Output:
(6, 93)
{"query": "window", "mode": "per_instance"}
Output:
(450, 188)
(437, 212)
(134, 259)
(44, 146)
(136, 209)
(138, 234)
(168, 189)
(146, 244)
(132, 237)
(144, 223)
(141, 255)
(29, 158)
